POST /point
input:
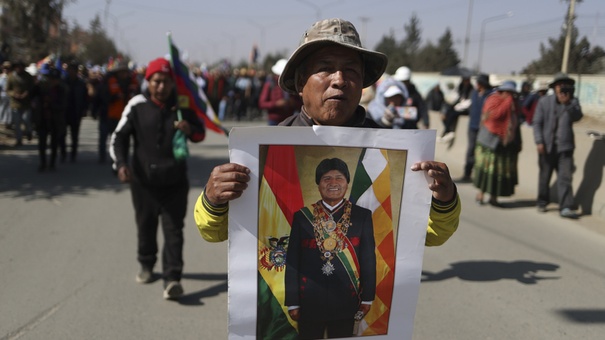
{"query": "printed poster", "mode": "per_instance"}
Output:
(333, 218)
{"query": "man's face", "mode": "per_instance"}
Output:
(333, 82)
(564, 92)
(333, 187)
(160, 86)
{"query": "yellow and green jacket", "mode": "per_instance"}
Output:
(212, 221)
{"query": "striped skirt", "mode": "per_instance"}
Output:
(496, 170)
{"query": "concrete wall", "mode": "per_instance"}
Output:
(590, 89)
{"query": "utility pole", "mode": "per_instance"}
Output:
(569, 28)
(107, 3)
(364, 35)
(469, 19)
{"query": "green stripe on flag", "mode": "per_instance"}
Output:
(275, 324)
(362, 180)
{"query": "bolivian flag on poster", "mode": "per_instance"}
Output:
(280, 196)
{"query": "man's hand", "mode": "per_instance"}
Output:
(541, 149)
(442, 185)
(365, 308)
(124, 174)
(184, 126)
(227, 182)
(294, 314)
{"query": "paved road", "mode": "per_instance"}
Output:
(67, 263)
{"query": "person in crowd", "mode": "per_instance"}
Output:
(117, 89)
(93, 88)
(555, 141)
(19, 87)
(526, 90)
(5, 112)
(330, 62)
(414, 99)
(158, 181)
(496, 164)
(75, 110)
(478, 96)
(51, 101)
(331, 303)
(378, 109)
(528, 107)
(459, 108)
(278, 103)
(394, 113)
(435, 98)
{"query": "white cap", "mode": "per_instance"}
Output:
(402, 74)
(393, 90)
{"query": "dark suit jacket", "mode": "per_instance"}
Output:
(553, 123)
(329, 297)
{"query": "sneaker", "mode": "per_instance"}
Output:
(448, 137)
(568, 213)
(144, 276)
(542, 208)
(173, 290)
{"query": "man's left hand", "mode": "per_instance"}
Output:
(365, 308)
(184, 126)
(442, 185)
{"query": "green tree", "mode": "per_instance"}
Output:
(410, 45)
(389, 46)
(582, 58)
(33, 28)
(436, 58)
(97, 48)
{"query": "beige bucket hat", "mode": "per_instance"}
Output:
(332, 32)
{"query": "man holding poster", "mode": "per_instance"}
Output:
(328, 70)
(330, 275)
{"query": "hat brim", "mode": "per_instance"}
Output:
(562, 81)
(374, 63)
(507, 89)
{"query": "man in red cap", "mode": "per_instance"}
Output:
(158, 179)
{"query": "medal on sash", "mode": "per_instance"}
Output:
(329, 233)
(328, 268)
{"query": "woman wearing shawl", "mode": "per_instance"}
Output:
(496, 165)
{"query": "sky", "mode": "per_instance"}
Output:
(207, 31)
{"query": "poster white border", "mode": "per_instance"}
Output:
(244, 146)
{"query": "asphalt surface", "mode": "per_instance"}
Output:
(68, 260)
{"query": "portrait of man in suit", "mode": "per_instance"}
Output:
(330, 274)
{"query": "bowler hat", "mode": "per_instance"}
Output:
(561, 78)
(508, 86)
(332, 32)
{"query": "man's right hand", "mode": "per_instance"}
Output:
(226, 182)
(124, 174)
(294, 314)
(541, 149)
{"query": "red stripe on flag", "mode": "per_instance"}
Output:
(281, 174)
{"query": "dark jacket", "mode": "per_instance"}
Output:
(358, 120)
(77, 100)
(329, 297)
(553, 122)
(152, 128)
